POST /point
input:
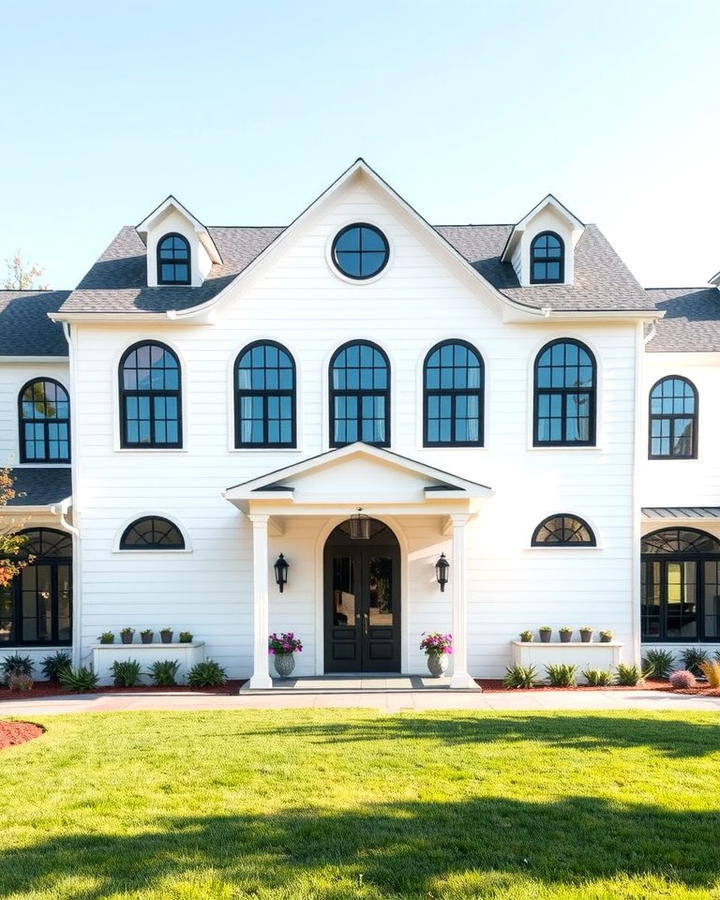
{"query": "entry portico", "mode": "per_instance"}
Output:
(294, 510)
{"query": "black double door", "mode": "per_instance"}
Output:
(362, 606)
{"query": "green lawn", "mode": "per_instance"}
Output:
(339, 804)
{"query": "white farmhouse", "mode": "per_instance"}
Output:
(356, 395)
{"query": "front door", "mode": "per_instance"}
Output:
(362, 605)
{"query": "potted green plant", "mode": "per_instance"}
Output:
(586, 634)
(606, 636)
(526, 636)
(565, 634)
(147, 635)
(107, 637)
(185, 637)
(545, 632)
(283, 648)
(127, 635)
(438, 648)
(166, 635)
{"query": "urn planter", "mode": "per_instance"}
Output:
(284, 664)
(437, 664)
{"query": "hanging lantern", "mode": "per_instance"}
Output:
(441, 571)
(359, 526)
(281, 569)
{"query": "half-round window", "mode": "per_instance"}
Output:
(562, 529)
(173, 260)
(360, 251)
(44, 422)
(547, 262)
(152, 533)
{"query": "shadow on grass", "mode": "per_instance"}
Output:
(400, 849)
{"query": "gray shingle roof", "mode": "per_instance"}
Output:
(691, 322)
(25, 329)
(40, 486)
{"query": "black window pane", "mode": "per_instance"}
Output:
(360, 251)
(564, 415)
(44, 411)
(264, 397)
(359, 401)
(673, 410)
(563, 529)
(150, 394)
(453, 380)
(152, 533)
(547, 259)
(173, 260)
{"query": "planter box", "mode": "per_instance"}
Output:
(104, 655)
(584, 656)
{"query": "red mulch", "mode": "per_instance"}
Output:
(12, 733)
(701, 691)
(495, 686)
(50, 689)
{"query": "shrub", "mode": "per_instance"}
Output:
(52, 665)
(185, 637)
(682, 679)
(711, 670)
(526, 636)
(716, 655)
(207, 674)
(80, 680)
(628, 676)
(565, 629)
(598, 677)
(16, 665)
(658, 663)
(125, 673)
(606, 635)
(163, 672)
(18, 681)
(107, 637)
(520, 677)
(692, 658)
(561, 674)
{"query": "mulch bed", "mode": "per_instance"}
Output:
(12, 733)
(50, 689)
(495, 686)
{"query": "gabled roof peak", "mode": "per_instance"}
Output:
(171, 202)
(548, 200)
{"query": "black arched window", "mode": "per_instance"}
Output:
(36, 607)
(453, 387)
(150, 397)
(173, 260)
(673, 419)
(264, 396)
(547, 259)
(359, 395)
(563, 529)
(565, 395)
(44, 417)
(680, 586)
(152, 533)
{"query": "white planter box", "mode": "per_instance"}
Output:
(104, 655)
(585, 656)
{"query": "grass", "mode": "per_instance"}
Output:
(344, 804)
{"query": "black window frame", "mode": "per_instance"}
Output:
(124, 392)
(547, 259)
(359, 393)
(454, 393)
(654, 417)
(688, 555)
(15, 587)
(582, 523)
(265, 393)
(344, 231)
(564, 392)
(159, 261)
(125, 547)
(22, 421)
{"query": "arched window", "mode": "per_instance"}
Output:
(453, 387)
(44, 416)
(547, 259)
(36, 607)
(150, 407)
(264, 396)
(673, 419)
(173, 260)
(680, 586)
(152, 533)
(565, 394)
(359, 395)
(563, 529)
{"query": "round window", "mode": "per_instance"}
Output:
(360, 251)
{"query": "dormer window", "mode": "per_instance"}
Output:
(547, 259)
(173, 260)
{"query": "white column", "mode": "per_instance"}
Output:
(261, 621)
(458, 577)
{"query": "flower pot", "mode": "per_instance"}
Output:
(127, 638)
(166, 637)
(565, 636)
(545, 637)
(147, 638)
(586, 636)
(605, 638)
(437, 664)
(284, 664)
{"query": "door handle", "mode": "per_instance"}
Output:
(365, 623)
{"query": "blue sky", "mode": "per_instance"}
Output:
(472, 110)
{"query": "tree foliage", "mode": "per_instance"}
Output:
(11, 543)
(21, 276)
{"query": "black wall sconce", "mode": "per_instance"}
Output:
(441, 571)
(281, 569)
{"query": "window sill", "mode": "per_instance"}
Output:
(575, 548)
(151, 450)
(153, 552)
(564, 448)
(288, 450)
